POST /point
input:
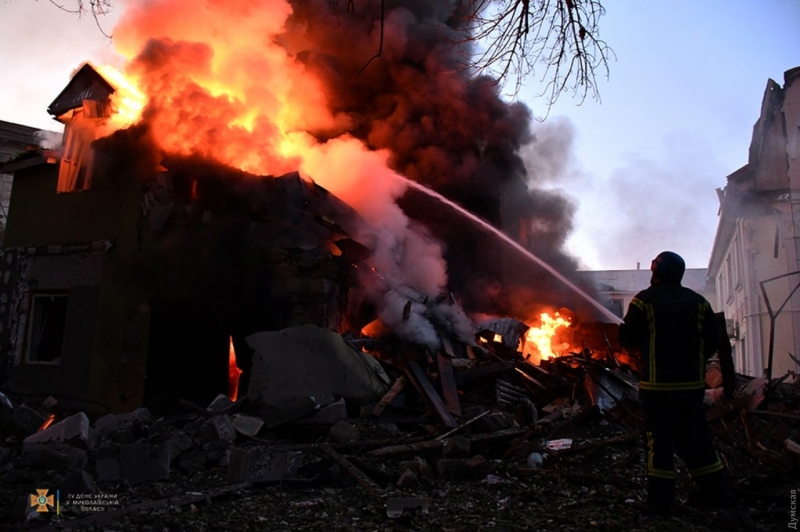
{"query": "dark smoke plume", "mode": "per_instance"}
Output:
(447, 130)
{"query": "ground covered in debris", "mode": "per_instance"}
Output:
(590, 485)
(480, 441)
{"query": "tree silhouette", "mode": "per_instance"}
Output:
(518, 38)
(512, 39)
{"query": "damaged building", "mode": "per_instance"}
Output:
(14, 139)
(129, 282)
(755, 260)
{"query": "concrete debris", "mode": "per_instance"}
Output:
(134, 463)
(320, 416)
(344, 432)
(53, 456)
(329, 414)
(220, 428)
(396, 506)
(298, 370)
(74, 430)
(220, 404)
(262, 465)
(247, 425)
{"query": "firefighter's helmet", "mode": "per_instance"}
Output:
(668, 267)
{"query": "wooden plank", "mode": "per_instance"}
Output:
(484, 370)
(409, 448)
(453, 431)
(426, 389)
(498, 435)
(363, 480)
(448, 381)
(447, 346)
(386, 400)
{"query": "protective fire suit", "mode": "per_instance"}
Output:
(674, 329)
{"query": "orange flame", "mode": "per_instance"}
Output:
(223, 80)
(214, 80)
(47, 422)
(538, 342)
(233, 373)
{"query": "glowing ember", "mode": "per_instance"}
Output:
(538, 343)
(233, 373)
(47, 422)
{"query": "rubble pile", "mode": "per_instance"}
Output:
(360, 433)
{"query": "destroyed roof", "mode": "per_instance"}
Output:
(636, 280)
(86, 84)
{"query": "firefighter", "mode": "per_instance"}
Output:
(674, 330)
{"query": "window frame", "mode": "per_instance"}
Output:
(30, 323)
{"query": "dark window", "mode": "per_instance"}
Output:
(46, 328)
(615, 306)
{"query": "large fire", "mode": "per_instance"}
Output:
(256, 86)
(538, 343)
(213, 80)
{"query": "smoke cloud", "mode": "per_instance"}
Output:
(271, 86)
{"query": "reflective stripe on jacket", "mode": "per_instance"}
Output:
(674, 329)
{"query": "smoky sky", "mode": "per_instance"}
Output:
(445, 129)
(658, 202)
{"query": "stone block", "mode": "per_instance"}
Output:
(52, 456)
(247, 425)
(219, 404)
(220, 428)
(74, 430)
(179, 443)
(135, 463)
(262, 465)
(344, 432)
(107, 423)
(140, 417)
(329, 414)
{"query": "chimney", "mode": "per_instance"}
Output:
(638, 265)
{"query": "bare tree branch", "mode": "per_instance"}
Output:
(94, 8)
(557, 38)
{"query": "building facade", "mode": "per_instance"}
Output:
(755, 261)
(15, 139)
(616, 288)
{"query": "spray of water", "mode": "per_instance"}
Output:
(511, 242)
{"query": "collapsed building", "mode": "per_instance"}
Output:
(157, 272)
